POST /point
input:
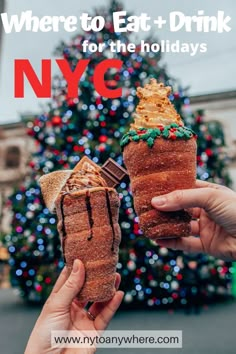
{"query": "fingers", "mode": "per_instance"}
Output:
(97, 307)
(195, 212)
(104, 317)
(189, 244)
(118, 280)
(60, 281)
(184, 199)
(195, 228)
(205, 184)
(64, 297)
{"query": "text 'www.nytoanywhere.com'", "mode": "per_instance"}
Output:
(116, 339)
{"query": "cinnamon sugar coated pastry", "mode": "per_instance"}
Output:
(160, 155)
(87, 211)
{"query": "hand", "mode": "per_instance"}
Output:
(63, 312)
(214, 209)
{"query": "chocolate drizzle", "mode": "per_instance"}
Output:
(110, 219)
(63, 228)
(90, 217)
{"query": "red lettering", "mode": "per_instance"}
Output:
(23, 67)
(42, 89)
(72, 77)
(99, 82)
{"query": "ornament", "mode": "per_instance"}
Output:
(56, 120)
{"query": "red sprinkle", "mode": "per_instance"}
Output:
(173, 136)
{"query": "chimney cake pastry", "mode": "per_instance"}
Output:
(160, 155)
(87, 206)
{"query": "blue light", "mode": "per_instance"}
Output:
(31, 272)
(186, 101)
(90, 136)
(52, 220)
(39, 228)
(204, 176)
(28, 194)
(12, 249)
(18, 197)
(23, 264)
(138, 287)
(19, 272)
(45, 211)
(61, 264)
(176, 269)
(41, 248)
(11, 262)
(40, 241)
(172, 262)
(148, 291)
(69, 113)
(166, 286)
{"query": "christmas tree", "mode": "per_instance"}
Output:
(92, 125)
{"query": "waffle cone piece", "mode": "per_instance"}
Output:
(160, 156)
(88, 226)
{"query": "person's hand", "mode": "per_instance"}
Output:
(63, 312)
(214, 209)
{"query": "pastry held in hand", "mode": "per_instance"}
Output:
(160, 155)
(87, 211)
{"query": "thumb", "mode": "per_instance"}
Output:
(64, 297)
(183, 199)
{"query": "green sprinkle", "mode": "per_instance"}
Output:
(165, 133)
(132, 132)
(179, 134)
(174, 125)
(136, 138)
(145, 136)
(150, 142)
(155, 133)
(125, 140)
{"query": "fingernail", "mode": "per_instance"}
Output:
(76, 266)
(159, 201)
